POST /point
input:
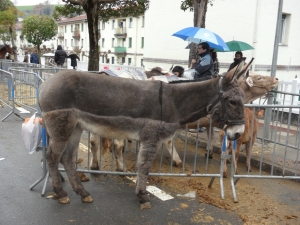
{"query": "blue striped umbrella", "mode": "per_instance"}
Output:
(198, 35)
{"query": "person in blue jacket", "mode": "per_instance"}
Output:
(34, 57)
(204, 67)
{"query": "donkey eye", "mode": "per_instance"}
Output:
(232, 103)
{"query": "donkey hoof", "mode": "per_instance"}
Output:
(177, 164)
(87, 199)
(94, 167)
(145, 205)
(64, 200)
(210, 156)
(83, 177)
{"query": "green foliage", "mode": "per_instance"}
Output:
(66, 11)
(189, 4)
(5, 4)
(8, 20)
(106, 10)
(38, 28)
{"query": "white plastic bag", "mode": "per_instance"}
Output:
(32, 133)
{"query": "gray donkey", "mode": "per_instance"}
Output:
(149, 112)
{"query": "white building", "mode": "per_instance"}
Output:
(121, 40)
(147, 40)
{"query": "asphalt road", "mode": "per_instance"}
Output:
(114, 198)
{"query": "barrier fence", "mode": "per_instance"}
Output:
(278, 135)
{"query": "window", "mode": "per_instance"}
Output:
(123, 60)
(112, 42)
(129, 61)
(103, 41)
(285, 26)
(113, 24)
(103, 25)
(72, 28)
(112, 60)
(81, 42)
(142, 46)
(130, 43)
(143, 21)
(66, 29)
(123, 42)
(103, 59)
(82, 25)
(142, 64)
(130, 22)
(71, 42)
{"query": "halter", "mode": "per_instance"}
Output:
(220, 98)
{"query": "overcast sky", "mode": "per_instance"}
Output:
(33, 2)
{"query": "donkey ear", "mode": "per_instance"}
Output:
(246, 67)
(233, 73)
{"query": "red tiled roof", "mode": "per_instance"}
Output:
(64, 20)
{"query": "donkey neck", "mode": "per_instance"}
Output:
(196, 100)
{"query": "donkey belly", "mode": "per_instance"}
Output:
(110, 131)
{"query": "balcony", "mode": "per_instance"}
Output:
(120, 51)
(76, 34)
(120, 32)
(61, 35)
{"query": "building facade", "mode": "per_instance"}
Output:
(121, 40)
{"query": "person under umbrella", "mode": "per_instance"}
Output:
(237, 59)
(204, 68)
(73, 58)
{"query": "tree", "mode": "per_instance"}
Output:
(8, 18)
(100, 9)
(199, 7)
(38, 28)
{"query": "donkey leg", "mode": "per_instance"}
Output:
(237, 153)
(248, 164)
(68, 160)
(95, 142)
(119, 147)
(53, 156)
(145, 160)
(176, 159)
(209, 147)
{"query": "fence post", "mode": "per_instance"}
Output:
(295, 89)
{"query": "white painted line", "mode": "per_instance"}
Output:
(2, 159)
(22, 110)
(154, 190)
(159, 193)
(191, 194)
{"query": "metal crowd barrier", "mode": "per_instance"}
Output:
(6, 88)
(278, 156)
(278, 133)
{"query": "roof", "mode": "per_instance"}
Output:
(65, 20)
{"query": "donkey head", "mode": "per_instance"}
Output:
(229, 111)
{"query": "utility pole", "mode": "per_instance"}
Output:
(274, 65)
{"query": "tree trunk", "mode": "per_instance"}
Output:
(200, 9)
(92, 12)
(39, 54)
(14, 47)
